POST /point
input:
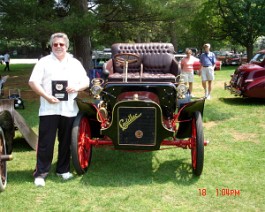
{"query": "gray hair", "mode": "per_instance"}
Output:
(60, 35)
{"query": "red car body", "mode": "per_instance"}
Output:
(233, 60)
(248, 80)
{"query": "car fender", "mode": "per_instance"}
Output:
(256, 88)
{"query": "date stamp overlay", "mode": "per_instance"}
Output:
(220, 192)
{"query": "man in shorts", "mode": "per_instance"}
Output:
(207, 60)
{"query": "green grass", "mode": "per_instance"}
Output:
(160, 180)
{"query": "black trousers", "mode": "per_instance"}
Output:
(48, 127)
(7, 66)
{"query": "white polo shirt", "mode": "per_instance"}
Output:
(49, 68)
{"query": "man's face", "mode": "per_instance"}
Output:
(206, 48)
(59, 48)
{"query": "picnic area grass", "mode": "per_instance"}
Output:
(232, 178)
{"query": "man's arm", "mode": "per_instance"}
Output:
(37, 88)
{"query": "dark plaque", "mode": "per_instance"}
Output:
(59, 89)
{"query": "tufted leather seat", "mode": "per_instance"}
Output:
(156, 59)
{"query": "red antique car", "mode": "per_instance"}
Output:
(248, 80)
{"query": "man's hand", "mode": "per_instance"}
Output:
(51, 99)
(71, 90)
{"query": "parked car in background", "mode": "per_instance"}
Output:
(179, 57)
(99, 58)
(248, 79)
(232, 60)
(244, 58)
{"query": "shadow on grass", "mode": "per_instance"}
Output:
(213, 113)
(222, 112)
(122, 169)
(113, 168)
(243, 101)
(177, 171)
(21, 145)
(19, 177)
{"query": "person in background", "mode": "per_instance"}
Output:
(187, 69)
(3, 79)
(60, 71)
(6, 60)
(208, 61)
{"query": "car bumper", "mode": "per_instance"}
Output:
(235, 91)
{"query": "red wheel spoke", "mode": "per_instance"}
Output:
(81, 149)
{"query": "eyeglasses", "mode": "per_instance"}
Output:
(58, 44)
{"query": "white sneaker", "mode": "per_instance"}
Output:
(65, 176)
(206, 94)
(39, 181)
(208, 97)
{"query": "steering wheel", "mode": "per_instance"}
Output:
(129, 57)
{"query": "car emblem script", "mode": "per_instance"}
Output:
(124, 124)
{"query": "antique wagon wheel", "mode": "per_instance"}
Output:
(81, 148)
(7, 125)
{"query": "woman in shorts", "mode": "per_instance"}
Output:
(187, 69)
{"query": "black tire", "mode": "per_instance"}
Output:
(197, 144)
(3, 168)
(81, 149)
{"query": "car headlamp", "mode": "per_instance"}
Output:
(181, 88)
(96, 87)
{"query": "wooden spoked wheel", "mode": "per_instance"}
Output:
(81, 148)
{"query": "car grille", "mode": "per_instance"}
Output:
(137, 126)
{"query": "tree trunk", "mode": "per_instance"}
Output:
(82, 50)
(173, 36)
(249, 51)
(82, 45)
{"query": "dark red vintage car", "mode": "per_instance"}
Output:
(248, 80)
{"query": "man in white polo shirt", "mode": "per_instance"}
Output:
(57, 78)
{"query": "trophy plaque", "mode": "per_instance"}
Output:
(59, 89)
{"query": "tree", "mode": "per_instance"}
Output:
(36, 20)
(127, 20)
(207, 24)
(243, 21)
(178, 18)
(81, 36)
